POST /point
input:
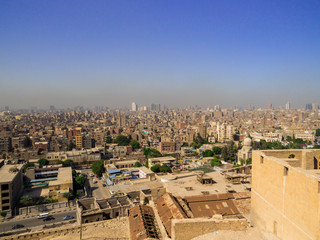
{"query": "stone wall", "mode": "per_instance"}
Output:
(185, 229)
(285, 199)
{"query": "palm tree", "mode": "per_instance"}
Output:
(26, 201)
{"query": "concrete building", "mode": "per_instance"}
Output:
(162, 160)
(134, 107)
(285, 193)
(63, 184)
(11, 186)
(225, 132)
(79, 142)
(167, 147)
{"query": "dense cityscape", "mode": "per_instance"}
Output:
(58, 164)
(146, 119)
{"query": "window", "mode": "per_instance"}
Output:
(5, 195)
(286, 170)
(261, 159)
(5, 187)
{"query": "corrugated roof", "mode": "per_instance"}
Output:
(209, 205)
(168, 209)
(114, 171)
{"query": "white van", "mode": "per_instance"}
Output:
(43, 215)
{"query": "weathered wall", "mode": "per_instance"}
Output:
(284, 204)
(185, 229)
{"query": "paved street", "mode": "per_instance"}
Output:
(33, 222)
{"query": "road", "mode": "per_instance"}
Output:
(97, 189)
(34, 222)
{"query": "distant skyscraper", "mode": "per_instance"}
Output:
(288, 106)
(308, 106)
(6, 108)
(134, 107)
(269, 106)
(52, 108)
(315, 106)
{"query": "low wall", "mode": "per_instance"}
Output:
(185, 229)
(46, 207)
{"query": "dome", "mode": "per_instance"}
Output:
(247, 142)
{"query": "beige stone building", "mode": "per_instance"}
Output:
(286, 193)
(63, 184)
(11, 186)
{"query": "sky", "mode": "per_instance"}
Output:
(110, 53)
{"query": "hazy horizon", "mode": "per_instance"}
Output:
(177, 53)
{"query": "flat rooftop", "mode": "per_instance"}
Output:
(8, 172)
(64, 176)
(188, 185)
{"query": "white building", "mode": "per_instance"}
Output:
(134, 107)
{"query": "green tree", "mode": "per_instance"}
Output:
(151, 153)
(185, 144)
(27, 165)
(146, 164)
(249, 161)
(3, 214)
(289, 139)
(80, 180)
(98, 168)
(109, 139)
(207, 153)
(134, 144)
(318, 132)
(216, 150)
(68, 163)
(122, 140)
(137, 164)
(71, 146)
(155, 168)
(43, 162)
(26, 200)
(215, 162)
(164, 168)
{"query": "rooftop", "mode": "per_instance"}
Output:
(8, 172)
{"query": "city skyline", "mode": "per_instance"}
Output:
(176, 53)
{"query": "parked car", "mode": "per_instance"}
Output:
(94, 181)
(48, 218)
(68, 217)
(104, 185)
(16, 226)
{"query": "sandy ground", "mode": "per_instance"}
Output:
(114, 228)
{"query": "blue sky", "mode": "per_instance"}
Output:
(179, 53)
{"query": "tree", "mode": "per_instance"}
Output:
(185, 144)
(249, 161)
(98, 168)
(207, 153)
(26, 200)
(134, 144)
(146, 164)
(164, 168)
(137, 164)
(216, 150)
(151, 153)
(155, 168)
(289, 139)
(68, 163)
(109, 139)
(43, 162)
(27, 165)
(215, 162)
(71, 146)
(3, 214)
(80, 180)
(318, 132)
(122, 140)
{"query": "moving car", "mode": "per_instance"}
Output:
(68, 217)
(48, 218)
(43, 215)
(16, 226)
